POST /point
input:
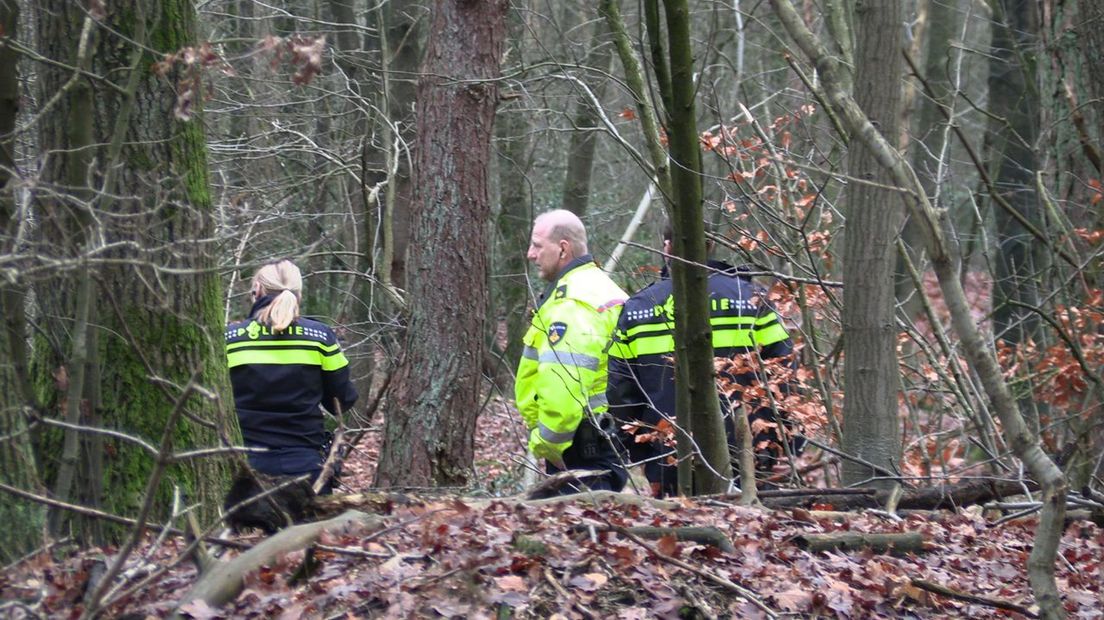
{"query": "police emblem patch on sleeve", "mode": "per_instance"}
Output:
(556, 332)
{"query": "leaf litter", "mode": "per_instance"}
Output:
(463, 558)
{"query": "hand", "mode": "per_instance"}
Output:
(542, 449)
(529, 416)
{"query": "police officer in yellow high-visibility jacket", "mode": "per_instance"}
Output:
(561, 379)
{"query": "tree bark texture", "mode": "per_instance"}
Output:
(693, 334)
(139, 172)
(870, 423)
(429, 436)
(945, 260)
(18, 468)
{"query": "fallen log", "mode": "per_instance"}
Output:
(904, 542)
(944, 497)
(223, 582)
(705, 535)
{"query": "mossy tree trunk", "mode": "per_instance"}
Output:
(430, 433)
(135, 191)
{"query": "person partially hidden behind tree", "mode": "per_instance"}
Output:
(282, 367)
(561, 378)
(641, 390)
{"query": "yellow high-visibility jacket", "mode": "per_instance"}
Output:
(563, 369)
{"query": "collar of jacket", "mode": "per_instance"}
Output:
(260, 305)
(714, 265)
(574, 264)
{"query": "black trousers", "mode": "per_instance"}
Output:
(591, 449)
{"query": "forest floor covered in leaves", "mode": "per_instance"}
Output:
(479, 557)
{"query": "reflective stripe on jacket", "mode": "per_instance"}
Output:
(564, 366)
(280, 379)
(642, 374)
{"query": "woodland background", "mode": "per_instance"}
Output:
(155, 152)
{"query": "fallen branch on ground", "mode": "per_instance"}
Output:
(905, 542)
(717, 579)
(222, 583)
(704, 535)
(951, 496)
(973, 598)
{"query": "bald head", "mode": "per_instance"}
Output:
(562, 224)
(558, 238)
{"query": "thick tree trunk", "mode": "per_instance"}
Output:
(431, 425)
(142, 171)
(870, 425)
(936, 226)
(697, 390)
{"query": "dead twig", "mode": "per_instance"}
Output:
(717, 579)
(564, 594)
(972, 598)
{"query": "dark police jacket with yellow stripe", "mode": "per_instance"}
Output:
(641, 371)
(280, 379)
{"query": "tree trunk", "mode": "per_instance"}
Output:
(945, 259)
(685, 153)
(404, 20)
(1011, 139)
(929, 151)
(142, 169)
(693, 334)
(870, 425)
(1090, 35)
(512, 222)
(584, 137)
(431, 425)
(18, 468)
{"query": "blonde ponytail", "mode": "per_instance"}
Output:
(283, 279)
